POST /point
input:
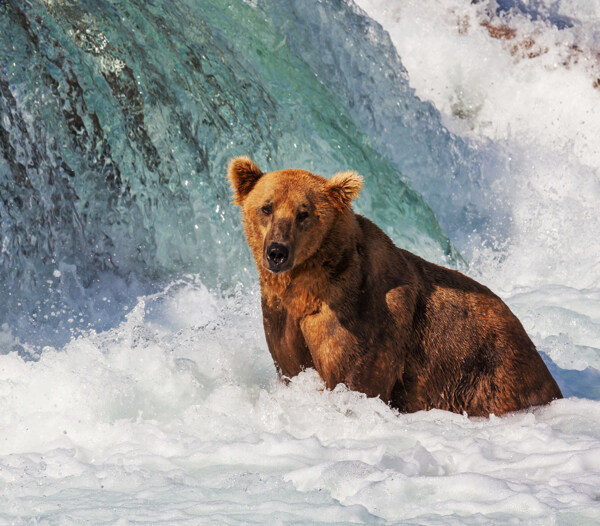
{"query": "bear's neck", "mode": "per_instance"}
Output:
(325, 277)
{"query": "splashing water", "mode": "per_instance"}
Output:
(528, 81)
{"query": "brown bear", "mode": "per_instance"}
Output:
(339, 296)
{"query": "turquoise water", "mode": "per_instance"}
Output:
(118, 119)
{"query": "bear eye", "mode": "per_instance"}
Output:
(302, 216)
(267, 209)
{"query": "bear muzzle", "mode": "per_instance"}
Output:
(278, 258)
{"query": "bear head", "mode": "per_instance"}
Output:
(288, 213)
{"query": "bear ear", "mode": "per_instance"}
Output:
(243, 174)
(343, 187)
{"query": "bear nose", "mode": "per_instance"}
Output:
(277, 254)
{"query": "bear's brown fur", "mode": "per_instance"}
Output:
(337, 295)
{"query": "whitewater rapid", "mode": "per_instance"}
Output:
(521, 80)
(175, 415)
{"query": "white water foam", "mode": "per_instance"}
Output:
(176, 417)
(533, 90)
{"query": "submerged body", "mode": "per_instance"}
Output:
(339, 296)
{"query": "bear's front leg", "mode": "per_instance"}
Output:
(340, 357)
(285, 341)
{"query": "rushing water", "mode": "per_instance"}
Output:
(135, 383)
(117, 124)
